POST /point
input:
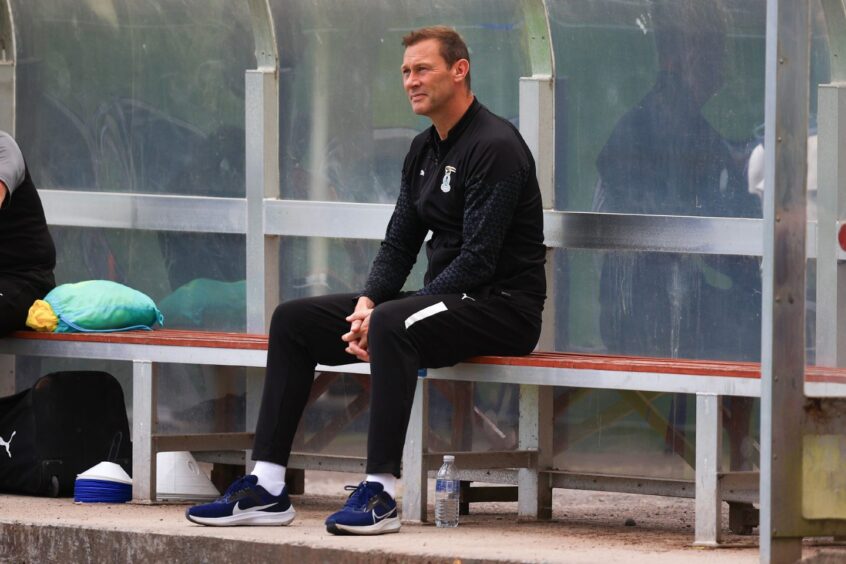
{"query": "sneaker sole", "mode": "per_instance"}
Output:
(255, 518)
(382, 527)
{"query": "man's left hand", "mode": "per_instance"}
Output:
(356, 338)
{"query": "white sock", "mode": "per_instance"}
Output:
(270, 476)
(388, 481)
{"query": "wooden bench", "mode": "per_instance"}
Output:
(529, 467)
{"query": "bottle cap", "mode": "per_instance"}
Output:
(449, 458)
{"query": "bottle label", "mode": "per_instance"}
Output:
(447, 486)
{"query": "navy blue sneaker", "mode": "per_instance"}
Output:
(244, 503)
(368, 511)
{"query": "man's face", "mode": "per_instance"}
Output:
(427, 79)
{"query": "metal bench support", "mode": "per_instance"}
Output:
(709, 434)
(534, 491)
(144, 422)
(414, 471)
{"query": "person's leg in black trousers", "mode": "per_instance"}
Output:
(405, 334)
(430, 332)
(303, 333)
(16, 297)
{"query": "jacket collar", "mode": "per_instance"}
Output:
(442, 147)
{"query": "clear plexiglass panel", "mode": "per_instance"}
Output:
(134, 95)
(345, 121)
(659, 304)
(196, 279)
(660, 104)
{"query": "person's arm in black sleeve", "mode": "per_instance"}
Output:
(398, 251)
(12, 169)
(490, 201)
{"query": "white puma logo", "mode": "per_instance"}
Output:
(464, 296)
(8, 443)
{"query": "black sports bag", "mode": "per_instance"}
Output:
(65, 424)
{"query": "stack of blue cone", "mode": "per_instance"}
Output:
(104, 483)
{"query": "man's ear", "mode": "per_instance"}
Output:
(460, 69)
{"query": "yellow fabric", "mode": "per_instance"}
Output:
(41, 317)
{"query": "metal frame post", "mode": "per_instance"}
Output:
(144, 423)
(261, 130)
(534, 488)
(783, 315)
(262, 180)
(415, 473)
(537, 105)
(8, 55)
(7, 123)
(831, 204)
(709, 443)
(537, 112)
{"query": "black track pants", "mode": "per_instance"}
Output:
(16, 297)
(405, 334)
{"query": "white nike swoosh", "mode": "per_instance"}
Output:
(237, 509)
(377, 518)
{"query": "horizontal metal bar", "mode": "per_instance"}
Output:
(478, 494)
(622, 484)
(153, 353)
(233, 457)
(112, 351)
(501, 476)
(660, 233)
(298, 460)
(600, 379)
(346, 220)
(156, 212)
(566, 377)
(488, 459)
(329, 462)
(735, 486)
(739, 486)
(824, 389)
(207, 356)
(203, 442)
(352, 220)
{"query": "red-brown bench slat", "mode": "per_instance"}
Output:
(577, 361)
(161, 337)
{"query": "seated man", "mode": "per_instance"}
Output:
(470, 179)
(27, 254)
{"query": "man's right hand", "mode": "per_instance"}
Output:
(356, 338)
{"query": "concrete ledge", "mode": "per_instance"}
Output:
(587, 527)
(34, 543)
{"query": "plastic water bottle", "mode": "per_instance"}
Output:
(446, 494)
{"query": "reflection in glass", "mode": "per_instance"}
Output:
(196, 279)
(134, 96)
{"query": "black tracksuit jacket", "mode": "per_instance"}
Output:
(477, 192)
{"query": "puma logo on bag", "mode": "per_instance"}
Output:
(8, 443)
